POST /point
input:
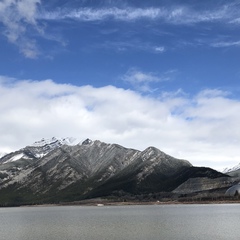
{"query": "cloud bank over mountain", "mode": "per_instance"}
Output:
(202, 129)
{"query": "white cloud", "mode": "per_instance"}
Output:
(144, 81)
(226, 44)
(140, 80)
(16, 17)
(92, 14)
(21, 19)
(203, 129)
(184, 14)
(133, 44)
(160, 49)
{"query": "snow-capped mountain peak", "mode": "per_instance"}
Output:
(44, 146)
(38, 149)
(54, 141)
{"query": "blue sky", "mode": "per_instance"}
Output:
(161, 73)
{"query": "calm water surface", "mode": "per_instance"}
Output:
(164, 222)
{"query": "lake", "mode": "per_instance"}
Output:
(162, 222)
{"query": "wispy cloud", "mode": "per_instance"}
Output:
(199, 130)
(226, 44)
(187, 15)
(17, 17)
(160, 49)
(141, 81)
(174, 14)
(22, 18)
(130, 44)
(96, 14)
(145, 81)
(182, 15)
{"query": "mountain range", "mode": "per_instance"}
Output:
(59, 170)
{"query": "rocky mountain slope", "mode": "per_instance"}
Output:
(57, 170)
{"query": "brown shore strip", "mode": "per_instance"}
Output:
(106, 202)
(130, 203)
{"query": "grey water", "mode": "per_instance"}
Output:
(162, 222)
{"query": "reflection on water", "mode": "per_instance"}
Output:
(173, 222)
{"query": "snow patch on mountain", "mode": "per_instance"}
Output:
(235, 168)
(38, 149)
(43, 147)
(15, 157)
(55, 141)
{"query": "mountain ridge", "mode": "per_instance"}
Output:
(58, 171)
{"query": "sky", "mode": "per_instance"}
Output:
(133, 72)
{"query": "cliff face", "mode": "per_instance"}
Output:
(53, 171)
